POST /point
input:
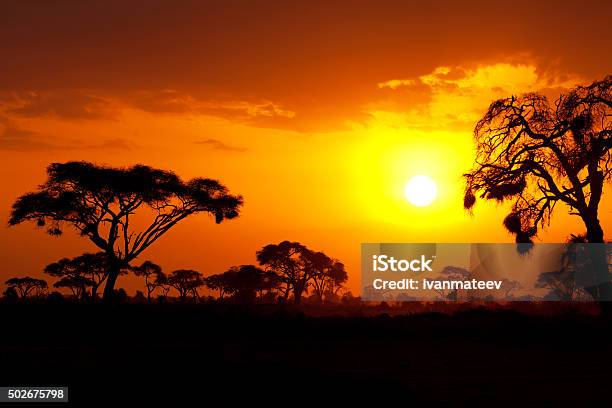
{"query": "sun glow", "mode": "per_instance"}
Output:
(421, 191)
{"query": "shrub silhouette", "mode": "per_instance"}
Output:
(10, 295)
(244, 283)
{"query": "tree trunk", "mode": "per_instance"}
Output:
(298, 288)
(594, 231)
(109, 288)
(598, 264)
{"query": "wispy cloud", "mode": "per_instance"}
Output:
(396, 83)
(14, 137)
(215, 144)
(112, 144)
(171, 101)
(72, 105)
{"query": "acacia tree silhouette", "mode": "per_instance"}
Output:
(538, 155)
(25, 285)
(451, 273)
(298, 267)
(100, 202)
(268, 285)
(329, 274)
(509, 286)
(186, 281)
(79, 273)
(77, 284)
(288, 260)
(218, 282)
(153, 275)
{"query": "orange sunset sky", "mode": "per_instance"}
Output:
(317, 112)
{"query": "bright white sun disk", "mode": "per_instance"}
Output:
(421, 191)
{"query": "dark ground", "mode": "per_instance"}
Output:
(130, 355)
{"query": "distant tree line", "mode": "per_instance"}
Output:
(286, 271)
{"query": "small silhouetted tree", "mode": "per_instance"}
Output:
(289, 261)
(318, 263)
(560, 284)
(139, 297)
(77, 284)
(451, 273)
(329, 274)
(162, 282)
(153, 275)
(101, 202)
(269, 285)
(348, 299)
(87, 270)
(27, 285)
(10, 295)
(575, 264)
(186, 281)
(509, 286)
(120, 295)
(218, 282)
(337, 276)
(372, 294)
(244, 282)
(95, 267)
(55, 297)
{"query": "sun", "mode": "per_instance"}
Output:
(421, 191)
